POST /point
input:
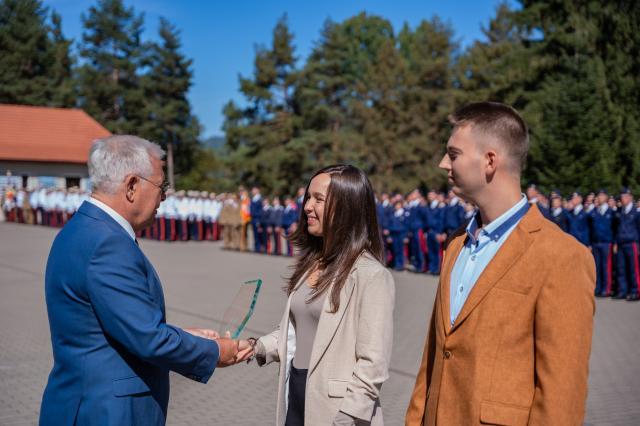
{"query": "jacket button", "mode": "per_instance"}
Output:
(447, 354)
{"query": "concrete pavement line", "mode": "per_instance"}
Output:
(26, 271)
(262, 332)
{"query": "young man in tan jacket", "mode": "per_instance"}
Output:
(510, 334)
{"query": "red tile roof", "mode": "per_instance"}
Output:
(60, 135)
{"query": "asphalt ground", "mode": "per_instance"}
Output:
(201, 279)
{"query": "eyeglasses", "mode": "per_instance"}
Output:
(164, 186)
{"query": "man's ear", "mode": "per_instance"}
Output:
(492, 161)
(130, 187)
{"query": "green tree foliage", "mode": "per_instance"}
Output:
(380, 100)
(364, 96)
(571, 148)
(35, 63)
(583, 95)
(112, 54)
(260, 135)
(167, 114)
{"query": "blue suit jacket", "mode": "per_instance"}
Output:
(112, 347)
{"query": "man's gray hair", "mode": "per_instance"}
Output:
(112, 158)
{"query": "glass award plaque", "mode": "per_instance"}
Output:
(239, 312)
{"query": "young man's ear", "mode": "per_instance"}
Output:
(491, 159)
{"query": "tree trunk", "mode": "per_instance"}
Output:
(170, 164)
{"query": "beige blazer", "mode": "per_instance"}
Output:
(351, 351)
(518, 353)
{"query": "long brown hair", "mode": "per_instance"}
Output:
(350, 227)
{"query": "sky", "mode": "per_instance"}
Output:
(221, 36)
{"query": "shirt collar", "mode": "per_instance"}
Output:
(499, 226)
(114, 215)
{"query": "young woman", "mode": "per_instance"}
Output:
(334, 341)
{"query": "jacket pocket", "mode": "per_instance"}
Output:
(495, 413)
(337, 388)
(130, 386)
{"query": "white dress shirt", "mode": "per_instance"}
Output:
(115, 216)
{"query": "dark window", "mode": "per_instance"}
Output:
(72, 181)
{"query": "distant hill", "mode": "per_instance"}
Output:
(214, 142)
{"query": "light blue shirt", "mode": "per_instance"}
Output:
(114, 215)
(478, 252)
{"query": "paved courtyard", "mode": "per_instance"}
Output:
(200, 279)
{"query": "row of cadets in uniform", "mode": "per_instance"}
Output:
(272, 224)
(276, 223)
(611, 231)
(186, 216)
(42, 206)
(627, 233)
(416, 228)
(615, 237)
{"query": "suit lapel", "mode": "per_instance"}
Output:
(328, 323)
(450, 257)
(511, 251)
(154, 283)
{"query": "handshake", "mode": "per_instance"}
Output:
(231, 351)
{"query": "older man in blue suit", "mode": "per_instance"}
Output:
(112, 347)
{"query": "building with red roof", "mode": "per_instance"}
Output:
(43, 146)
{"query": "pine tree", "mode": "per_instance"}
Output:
(260, 136)
(429, 52)
(62, 81)
(565, 39)
(348, 95)
(498, 68)
(571, 148)
(109, 79)
(35, 63)
(167, 114)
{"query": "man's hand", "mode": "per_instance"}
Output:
(205, 333)
(245, 351)
(228, 350)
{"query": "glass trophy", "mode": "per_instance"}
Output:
(237, 315)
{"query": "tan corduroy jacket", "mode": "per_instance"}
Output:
(518, 352)
(351, 351)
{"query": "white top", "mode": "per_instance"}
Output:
(114, 215)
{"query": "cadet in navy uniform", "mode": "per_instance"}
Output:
(277, 213)
(255, 209)
(414, 226)
(300, 198)
(398, 231)
(435, 227)
(578, 220)
(266, 226)
(289, 220)
(602, 243)
(454, 214)
(627, 239)
(382, 222)
(557, 214)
